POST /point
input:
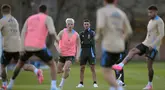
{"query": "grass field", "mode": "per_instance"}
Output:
(135, 78)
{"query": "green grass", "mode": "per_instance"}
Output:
(135, 77)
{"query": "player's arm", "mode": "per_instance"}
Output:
(23, 35)
(60, 34)
(1, 24)
(78, 47)
(93, 44)
(160, 26)
(51, 28)
(127, 28)
(100, 24)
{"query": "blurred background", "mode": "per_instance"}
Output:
(82, 9)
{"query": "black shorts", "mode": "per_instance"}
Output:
(87, 55)
(151, 54)
(63, 59)
(43, 54)
(122, 56)
(108, 59)
(8, 56)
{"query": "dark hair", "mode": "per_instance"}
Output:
(109, 1)
(152, 7)
(43, 8)
(86, 20)
(6, 8)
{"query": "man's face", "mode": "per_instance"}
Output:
(86, 25)
(70, 25)
(152, 14)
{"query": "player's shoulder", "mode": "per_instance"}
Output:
(159, 19)
(92, 31)
(2, 20)
(49, 17)
(101, 10)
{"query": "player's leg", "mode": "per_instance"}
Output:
(18, 68)
(140, 49)
(150, 59)
(46, 56)
(37, 72)
(92, 62)
(60, 65)
(66, 70)
(108, 59)
(83, 61)
(6, 58)
(120, 74)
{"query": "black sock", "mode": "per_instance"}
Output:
(81, 83)
(94, 82)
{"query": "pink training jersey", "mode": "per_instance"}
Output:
(36, 32)
(68, 45)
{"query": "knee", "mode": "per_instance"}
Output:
(132, 51)
(92, 68)
(59, 71)
(82, 68)
(51, 63)
(150, 69)
(66, 69)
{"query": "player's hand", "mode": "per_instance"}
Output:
(77, 59)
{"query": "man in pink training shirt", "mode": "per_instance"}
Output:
(69, 48)
(9, 28)
(33, 39)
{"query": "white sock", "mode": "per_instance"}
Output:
(11, 83)
(121, 64)
(4, 83)
(62, 82)
(120, 88)
(112, 88)
(149, 83)
(36, 71)
(53, 83)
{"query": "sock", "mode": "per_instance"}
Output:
(62, 82)
(11, 83)
(36, 71)
(121, 64)
(120, 88)
(149, 83)
(53, 83)
(94, 82)
(81, 83)
(112, 88)
(4, 83)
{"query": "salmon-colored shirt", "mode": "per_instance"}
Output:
(35, 31)
(68, 45)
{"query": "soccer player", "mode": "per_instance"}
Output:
(87, 52)
(33, 39)
(113, 28)
(149, 46)
(120, 74)
(11, 44)
(69, 45)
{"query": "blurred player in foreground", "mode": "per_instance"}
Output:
(149, 46)
(33, 39)
(113, 28)
(11, 44)
(87, 52)
(69, 44)
(120, 74)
